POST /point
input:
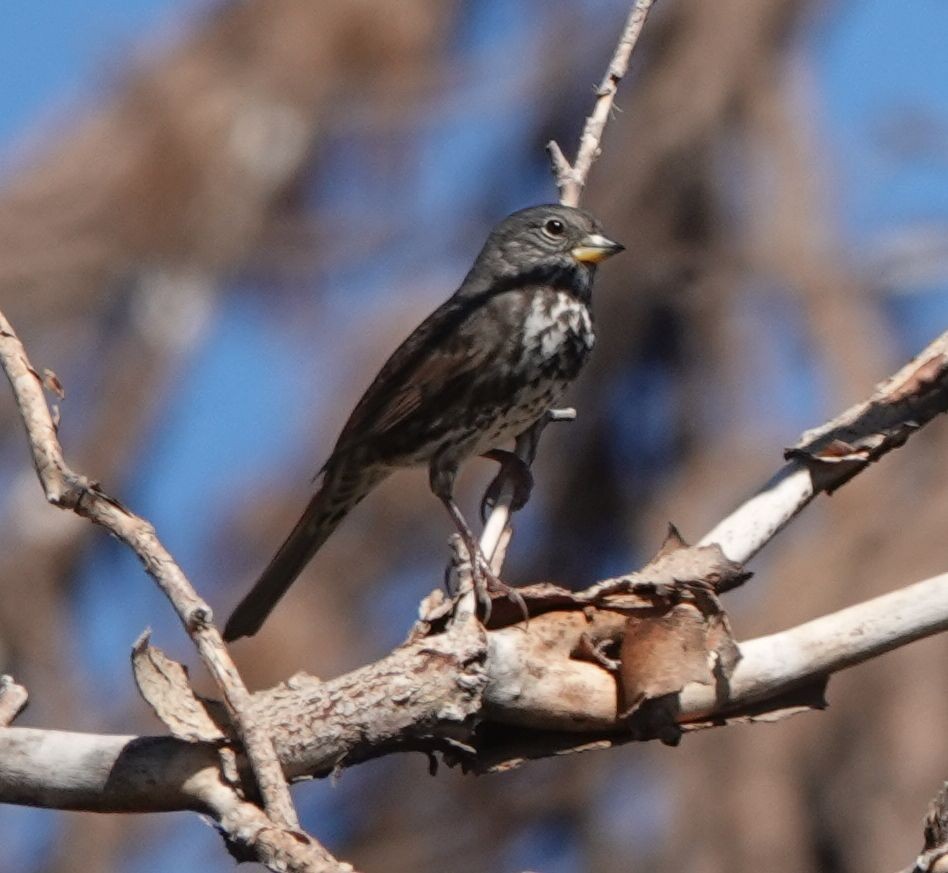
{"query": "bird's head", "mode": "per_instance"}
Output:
(549, 238)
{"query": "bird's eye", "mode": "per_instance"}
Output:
(554, 227)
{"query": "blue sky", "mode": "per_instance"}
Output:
(54, 53)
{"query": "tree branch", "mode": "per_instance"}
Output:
(69, 490)
(456, 694)
(484, 699)
(570, 180)
(829, 456)
(127, 774)
(491, 699)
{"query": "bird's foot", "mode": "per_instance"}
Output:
(513, 469)
(487, 583)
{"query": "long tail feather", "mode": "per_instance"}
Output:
(340, 492)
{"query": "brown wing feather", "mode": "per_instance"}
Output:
(436, 357)
(427, 379)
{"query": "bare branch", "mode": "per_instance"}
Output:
(562, 168)
(834, 642)
(571, 179)
(768, 667)
(829, 456)
(69, 490)
(251, 835)
(429, 694)
(110, 773)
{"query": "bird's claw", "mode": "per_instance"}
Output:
(486, 583)
(513, 469)
(482, 577)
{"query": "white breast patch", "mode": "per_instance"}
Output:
(551, 323)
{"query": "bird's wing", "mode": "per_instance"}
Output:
(424, 373)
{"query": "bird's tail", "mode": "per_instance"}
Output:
(341, 490)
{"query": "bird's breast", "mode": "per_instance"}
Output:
(558, 335)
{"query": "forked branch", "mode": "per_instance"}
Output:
(69, 490)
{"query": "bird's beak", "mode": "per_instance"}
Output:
(595, 248)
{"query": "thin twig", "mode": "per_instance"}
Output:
(249, 830)
(570, 180)
(69, 490)
(496, 534)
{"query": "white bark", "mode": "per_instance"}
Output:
(826, 457)
(428, 696)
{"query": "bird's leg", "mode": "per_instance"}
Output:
(514, 469)
(441, 477)
(515, 465)
(483, 578)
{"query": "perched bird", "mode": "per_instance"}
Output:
(480, 370)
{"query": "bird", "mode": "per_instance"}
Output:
(478, 372)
